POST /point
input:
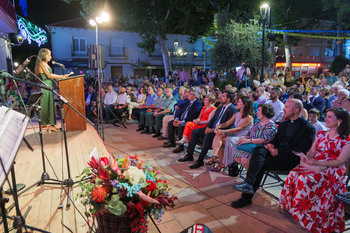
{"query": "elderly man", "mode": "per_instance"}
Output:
(109, 101)
(149, 114)
(189, 112)
(314, 100)
(167, 107)
(295, 134)
(142, 108)
(121, 105)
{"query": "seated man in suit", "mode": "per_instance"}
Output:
(90, 100)
(222, 114)
(314, 100)
(293, 135)
(189, 112)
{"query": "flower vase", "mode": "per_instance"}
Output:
(111, 223)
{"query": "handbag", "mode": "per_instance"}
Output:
(233, 169)
(248, 147)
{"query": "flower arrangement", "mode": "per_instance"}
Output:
(124, 187)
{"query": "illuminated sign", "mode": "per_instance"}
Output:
(299, 64)
(31, 32)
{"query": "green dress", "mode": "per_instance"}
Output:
(47, 113)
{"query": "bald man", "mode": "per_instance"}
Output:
(296, 134)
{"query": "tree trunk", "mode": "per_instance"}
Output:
(287, 51)
(165, 55)
(339, 28)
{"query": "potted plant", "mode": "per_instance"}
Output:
(122, 192)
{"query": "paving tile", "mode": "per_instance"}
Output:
(171, 227)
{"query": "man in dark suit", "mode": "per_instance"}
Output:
(293, 135)
(189, 112)
(90, 100)
(314, 100)
(222, 114)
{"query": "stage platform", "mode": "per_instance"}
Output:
(204, 196)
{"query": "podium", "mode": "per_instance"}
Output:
(72, 88)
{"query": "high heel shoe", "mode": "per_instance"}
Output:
(212, 161)
(218, 168)
(52, 128)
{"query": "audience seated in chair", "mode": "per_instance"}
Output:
(222, 114)
(225, 140)
(189, 112)
(260, 134)
(295, 134)
(310, 189)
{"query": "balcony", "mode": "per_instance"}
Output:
(306, 59)
(8, 19)
(79, 53)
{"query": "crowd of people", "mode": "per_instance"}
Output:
(276, 123)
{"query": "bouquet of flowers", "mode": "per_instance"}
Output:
(124, 187)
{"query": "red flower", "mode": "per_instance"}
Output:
(104, 161)
(152, 186)
(99, 193)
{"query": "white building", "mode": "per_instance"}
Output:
(71, 41)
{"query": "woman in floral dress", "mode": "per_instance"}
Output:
(310, 189)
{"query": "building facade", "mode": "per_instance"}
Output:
(71, 45)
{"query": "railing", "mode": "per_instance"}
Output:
(78, 53)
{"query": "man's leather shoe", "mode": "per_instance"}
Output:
(140, 128)
(186, 158)
(178, 149)
(241, 202)
(151, 131)
(162, 138)
(244, 188)
(169, 144)
(156, 135)
(197, 165)
(146, 131)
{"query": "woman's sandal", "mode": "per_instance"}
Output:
(52, 128)
(212, 161)
(218, 168)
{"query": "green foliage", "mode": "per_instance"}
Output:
(338, 64)
(115, 206)
(237, 42)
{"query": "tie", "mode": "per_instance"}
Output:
(219, 118)
(184, 115)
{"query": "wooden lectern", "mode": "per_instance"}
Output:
(72, 89)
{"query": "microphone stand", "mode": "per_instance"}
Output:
(67, 182)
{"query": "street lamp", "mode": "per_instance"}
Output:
(104, 17)
(176, 44)
(264, 11)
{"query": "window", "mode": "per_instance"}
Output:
(79, 44)
(116, 48)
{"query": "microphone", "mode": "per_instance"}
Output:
(59, 64)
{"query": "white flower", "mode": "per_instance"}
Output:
(135, 175)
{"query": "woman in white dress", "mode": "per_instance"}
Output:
(243, 121)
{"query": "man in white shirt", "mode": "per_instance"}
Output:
(276, 104)
(243, 75)
(121, 105)
(109, 101)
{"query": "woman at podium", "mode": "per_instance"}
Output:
(44, 71)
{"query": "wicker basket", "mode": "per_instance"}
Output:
(108, 223)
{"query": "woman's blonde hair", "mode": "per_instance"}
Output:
(41, 57)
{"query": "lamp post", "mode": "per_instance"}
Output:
(264, 11)
(176, 44)
(104, 17)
